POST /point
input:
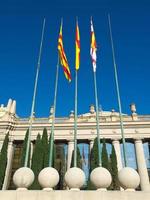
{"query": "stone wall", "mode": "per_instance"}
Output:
(73, 195)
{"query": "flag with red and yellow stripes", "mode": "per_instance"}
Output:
(93, 47)
(62, 56)
(77, 48)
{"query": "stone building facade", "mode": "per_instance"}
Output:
(136, 129)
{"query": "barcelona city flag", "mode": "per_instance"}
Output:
(62, 56)
(77, 48)
(93, 47)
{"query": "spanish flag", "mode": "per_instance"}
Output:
(93, 47)
(77, 48)
(62, 56)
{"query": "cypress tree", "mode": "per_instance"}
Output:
(37, 162)
(114, 170)
(94, 156)
(3, 159)
(93, 163)
(24, 148)
(79, 159)
(45, 147)
(105, 160)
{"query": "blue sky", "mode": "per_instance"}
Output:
(21, 24)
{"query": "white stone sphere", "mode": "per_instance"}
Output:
(128, 178)
(101, 178)
(48, 178)
(23, 177)
(75, 178)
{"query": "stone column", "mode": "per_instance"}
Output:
(70, 150)
(142, 168)
(91, 144)
(117, 148)
(10, 154)
(1, 144)
(116, 145)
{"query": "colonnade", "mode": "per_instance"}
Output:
(141, 162)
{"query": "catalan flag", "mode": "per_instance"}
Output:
(93, 47)
(77, 48)
(63, 58)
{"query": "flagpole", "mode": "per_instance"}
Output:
(118, 93)
(34, 96)
(53, 117)
(75, 119)
(77, 63)
(93, 55)
(97, 121)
